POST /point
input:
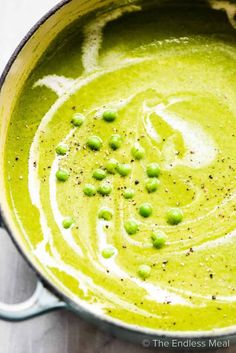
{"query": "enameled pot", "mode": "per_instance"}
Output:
(48, 296)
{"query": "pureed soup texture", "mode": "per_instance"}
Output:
(120, 166)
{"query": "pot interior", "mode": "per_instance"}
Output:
(74, 16)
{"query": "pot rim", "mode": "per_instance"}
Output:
(71, 304)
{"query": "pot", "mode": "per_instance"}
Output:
(48, 296)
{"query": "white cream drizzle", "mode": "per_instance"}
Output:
(226, 239)
(223, 298)
(85, 283)
(201, 149)
(58, 84)
(93, 36)
(150, 130)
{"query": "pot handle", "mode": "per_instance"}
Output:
(42, 301)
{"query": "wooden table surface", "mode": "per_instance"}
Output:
(58, 332)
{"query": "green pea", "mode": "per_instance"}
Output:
(62, 149)
(89, 190)
(105, 213)
(108, 252)
(137, 151)
(145, 210)
(131, 226)
(124, 169)
(67, 222)
(105, 189)
(110, 115)
(174, 216)
(78, 119)
(159, 239)
(99, 174)
(111, 166)
(115, 141)
(153, 170)
(62, 174)
(152, 185)
(128, 193)
(94, 143)
(144, 271)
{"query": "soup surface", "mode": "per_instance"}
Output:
(120, 166)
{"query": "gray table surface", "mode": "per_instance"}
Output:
(58, 332)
